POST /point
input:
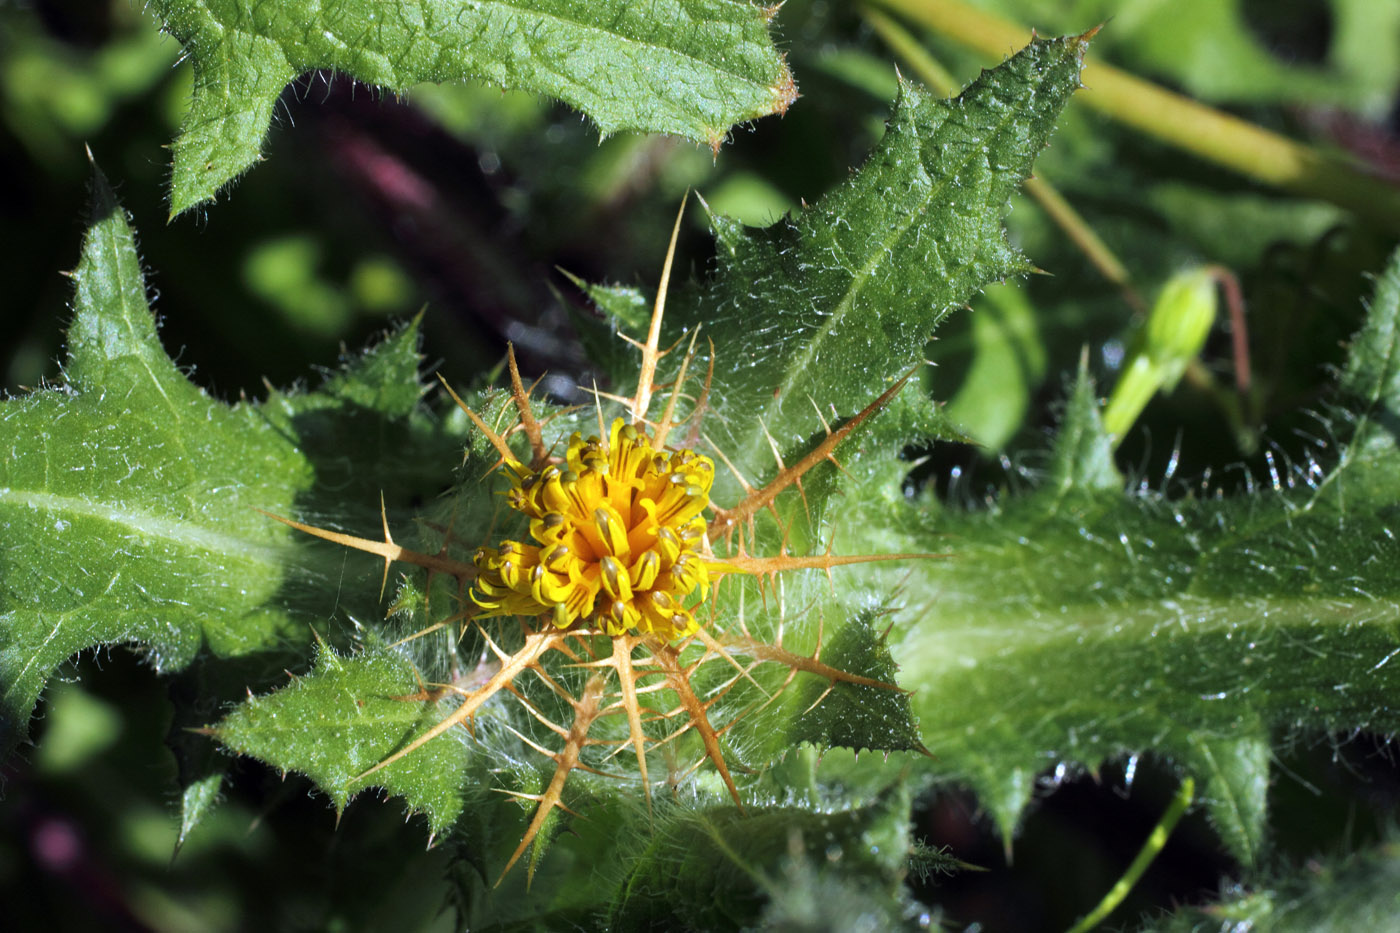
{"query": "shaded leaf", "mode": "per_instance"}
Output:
(1371, 379)
(1354, 893)
(197, 800)
(1236, 773)
(714, 868)
(855, 716)
(1082, 460)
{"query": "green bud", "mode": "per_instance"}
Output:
(1180, 322)
(1175, 332)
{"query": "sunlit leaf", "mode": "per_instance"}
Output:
(128, 495)
(1083, 621)
(690, 67)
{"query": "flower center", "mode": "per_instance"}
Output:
(618, 531)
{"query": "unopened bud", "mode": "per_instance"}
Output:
(1175, 332)
(1180, 322)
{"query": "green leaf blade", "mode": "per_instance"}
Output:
(707, 869)
(822, 313)
(345, 717)
(109, 278)
(1370, 390)
(855, 716)
(115, 513)
(129, 498)
(1083, 622)
(1237, 775)
(1332, 894)
(694, 68)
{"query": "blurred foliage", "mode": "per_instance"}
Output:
(1335, 52)
(465, 199)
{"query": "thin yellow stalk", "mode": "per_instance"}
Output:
(1179, 121)
(929, 69)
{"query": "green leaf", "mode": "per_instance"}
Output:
(694, 68)
(1236, 227)
(714, 869)
(817, 315)
(1370, 392)
(1081, 621)
(1372, 375)
(128, 495)
(855, 716)
(345, 717)
(1236, 773)
(1082, 461)
(1352, 893)
(197, 800)
(695, 862)
(622, 308)
(122, 514)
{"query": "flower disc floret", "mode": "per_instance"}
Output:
(618, 533)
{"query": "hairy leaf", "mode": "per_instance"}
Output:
(127, 495)
(345, 717)
(698, 863)
(690, 67)
(713, 869)
(814, 317)
(1354, 893)
(1082, 621)
(855, 716)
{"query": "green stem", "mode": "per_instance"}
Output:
(932, 73)
(1158, 838)
(1177, 120)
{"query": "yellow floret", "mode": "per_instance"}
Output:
(619, 530)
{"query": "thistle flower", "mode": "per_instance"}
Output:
(620, 558)
(620, 539)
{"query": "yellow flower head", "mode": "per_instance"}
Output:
(619, 530)
(620, 546)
